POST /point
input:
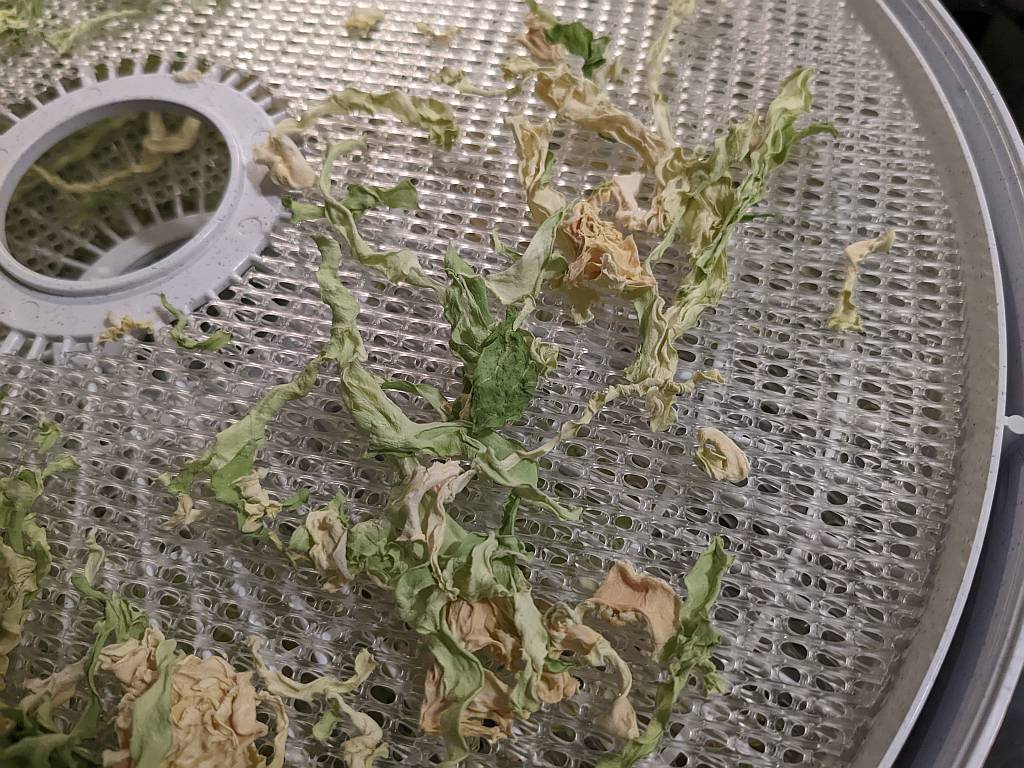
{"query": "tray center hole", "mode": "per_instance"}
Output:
(118, 195)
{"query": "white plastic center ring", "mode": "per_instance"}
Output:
(208, 252)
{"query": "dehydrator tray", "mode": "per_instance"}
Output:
(873, 455)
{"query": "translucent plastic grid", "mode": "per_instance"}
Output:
(852, 438)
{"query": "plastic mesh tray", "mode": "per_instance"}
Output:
(854, 439)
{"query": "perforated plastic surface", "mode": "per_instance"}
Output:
(852, 438)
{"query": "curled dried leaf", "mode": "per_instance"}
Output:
(288, 168)
(605, 260)
(719, 457)
(846, 317)
(626, 596)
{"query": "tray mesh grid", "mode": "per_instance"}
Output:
(852, 438)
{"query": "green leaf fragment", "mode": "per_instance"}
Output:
(228, 461)
(24, 551)
(47, 435)
(94, 559)
(399, 266)
(35, 740)
(432, 395)
(508, 368)
(707, 203)
(523, 279)
(536, 166)
(229, 458)
(846, 317)
(431, 115)
(678, 11)
(302, 211)
(279, 685)
(463, 676)
(361, 198)
(297, 499)
(362, 748)
(459, 80)
(465, 309)
(719, 457)
(211, 343)
(580, 41)
(27, 743)
(151, 736)
(322, 538)
(362, 21)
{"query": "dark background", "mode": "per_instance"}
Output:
(996, 29)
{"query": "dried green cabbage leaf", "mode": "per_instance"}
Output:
(536, 163)
(649, 390)
(585, 103)
(362, 21)
(288, 167)
(431, 115)
(444, 36)
(459, 80)
(34, 738)
(580, 41)
(211, 343)
(678, 11)
(431, 394)
(689, 651)
(285, 687)
(47, 435)
(719, 457)
(24, 550)
(846, 317)
(151, 730)
(510, 364)
(770, 141)
(465, 309)
(710, 204)
(399, 266)
(228, 461)
(502, 364)
(323, 538)
(360, 198)
(522, 280)
(94, 560)
(229, 458)
(27, 743)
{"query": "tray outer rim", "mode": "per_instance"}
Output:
(975, 669)
(945, 82)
